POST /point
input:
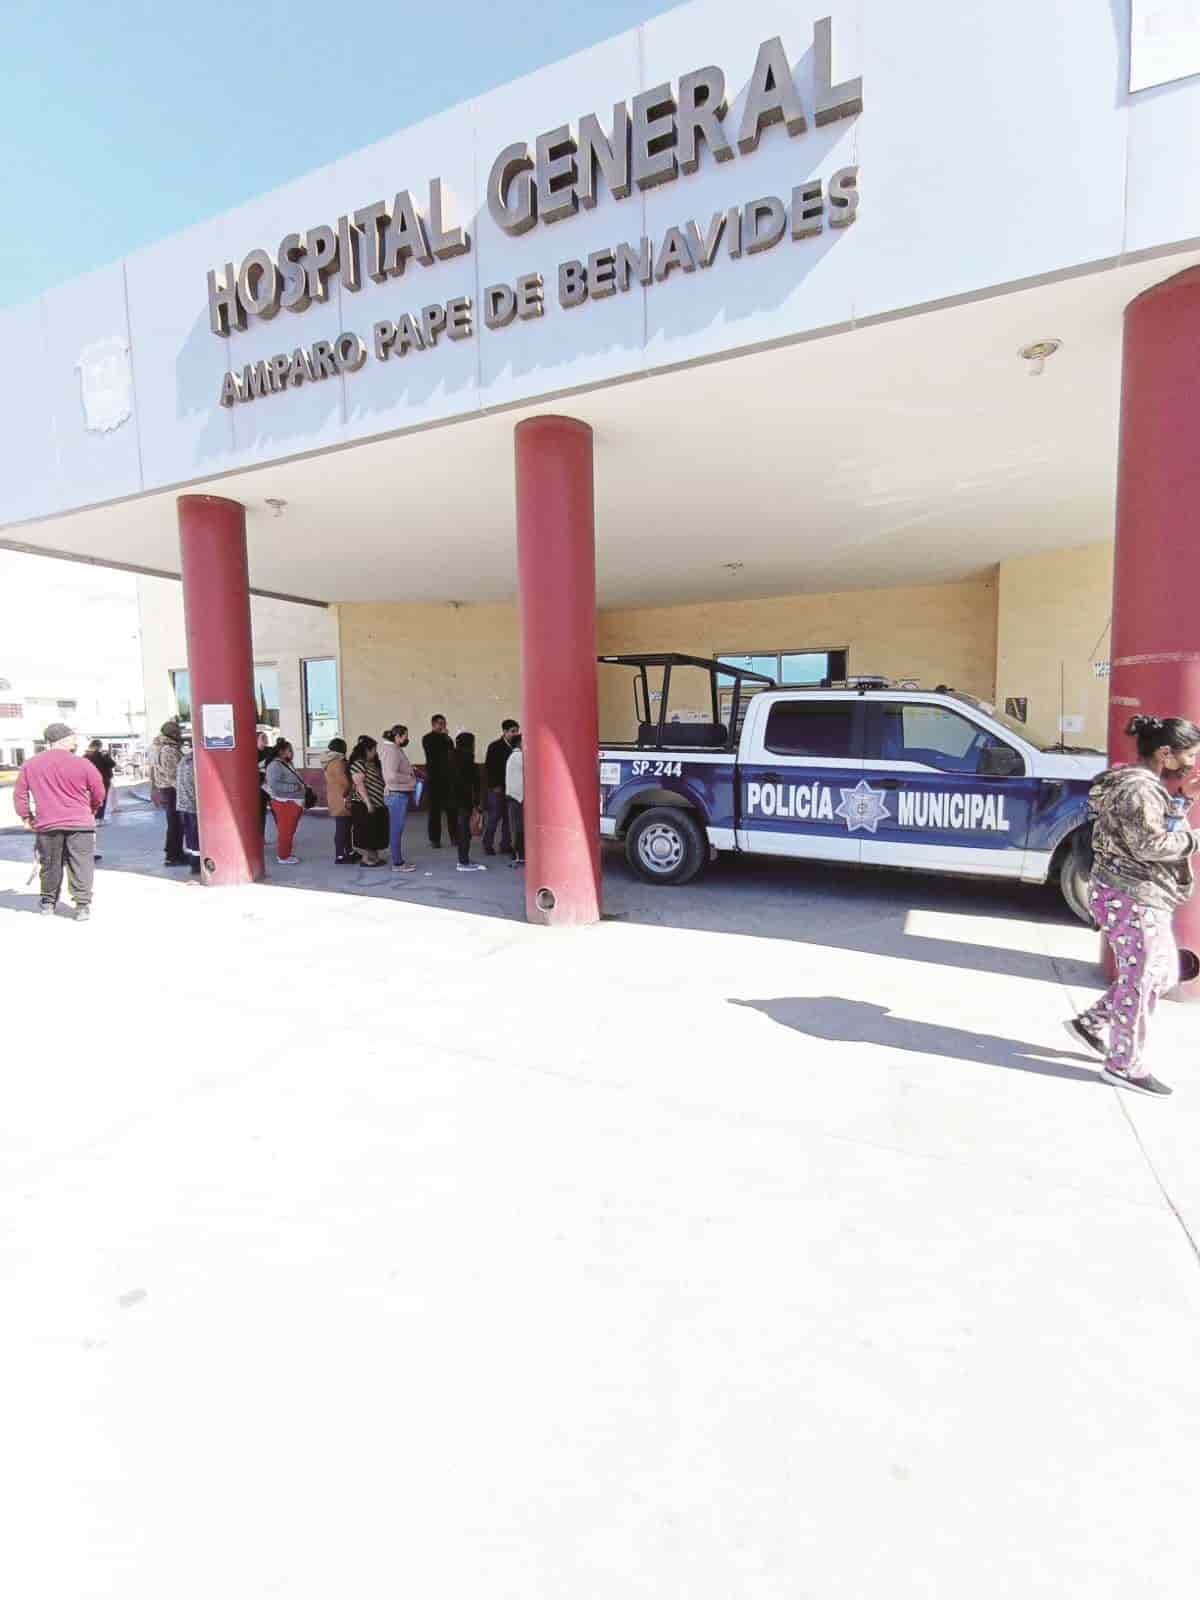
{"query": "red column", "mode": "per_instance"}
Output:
(556, 561)
(1155, 627)
(216, 606)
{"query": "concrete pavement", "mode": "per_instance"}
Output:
(769, 1240)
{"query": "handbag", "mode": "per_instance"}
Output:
(310, 795)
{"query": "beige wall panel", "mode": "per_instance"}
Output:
(284, 634)
(402, 663)
(1053, 614)
(940, 633)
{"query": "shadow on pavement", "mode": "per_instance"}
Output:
(808, 902)
(858, 1021)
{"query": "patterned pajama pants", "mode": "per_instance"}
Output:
(1147, 960)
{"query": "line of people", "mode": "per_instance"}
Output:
(371, 789)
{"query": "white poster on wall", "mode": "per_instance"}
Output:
(1164, 42)
(216, 724)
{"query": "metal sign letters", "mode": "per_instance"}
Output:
(652, 140)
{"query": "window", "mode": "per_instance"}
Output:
(814, 728)
(181, 688)
(266, 695)
(794, 669)
(791, 669)
(933, 736)
(320, 702)
(752, 663)
(10, 709)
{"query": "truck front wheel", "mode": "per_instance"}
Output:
(666, 845)
(1073, 883)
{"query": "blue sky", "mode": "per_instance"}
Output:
(122, 121)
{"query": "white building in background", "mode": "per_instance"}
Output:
(296, 685)
(95, 711)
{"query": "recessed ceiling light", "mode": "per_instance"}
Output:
(1038, 353)
(732, 566)
(278, 507)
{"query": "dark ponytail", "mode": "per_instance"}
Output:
(1151, 733)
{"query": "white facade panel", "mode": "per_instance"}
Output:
(602, 339)
(992, 146)
(795, 286)
(88, 368)
(422, 385)
(178, 365)
(1164, 177)
(30, 484)
(992, 149)
(310, 416)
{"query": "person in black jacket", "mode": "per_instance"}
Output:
(105, 766)
(439, 752)
(464, 797)
(495, 763)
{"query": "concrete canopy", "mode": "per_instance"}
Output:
(909, 451)
(845, 408)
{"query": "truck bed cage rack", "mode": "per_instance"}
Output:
(714, 735)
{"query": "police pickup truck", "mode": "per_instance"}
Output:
(866, 773)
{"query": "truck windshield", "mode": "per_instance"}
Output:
(989, 710)
(1018, 729)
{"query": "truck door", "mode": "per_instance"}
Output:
(799, 776)
(953, 795)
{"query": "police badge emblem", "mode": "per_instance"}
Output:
(863, 807)
(105, 384)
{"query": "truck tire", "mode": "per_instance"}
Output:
(1073, 883)
(666, 845)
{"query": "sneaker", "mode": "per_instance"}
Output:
(517, 861)
(1144, 1085)
(472, 866)
(371, 863)
(403, 866)
(345, 861)
(47, 908)
(83, 914)
(488, 852)
(1088, 1037)
(288, 861)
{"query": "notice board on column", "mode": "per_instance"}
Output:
(216, 727)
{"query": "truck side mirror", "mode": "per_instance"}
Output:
(1001, 761)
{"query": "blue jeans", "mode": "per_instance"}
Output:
(397, 805)
(497, 816)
